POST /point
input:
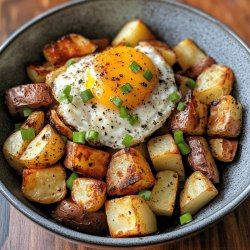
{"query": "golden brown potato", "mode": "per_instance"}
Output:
(90, 194)
(162, 199)
(128, 173)
(198, 191)
(181, 81)
(143, 150)
(33, 96)
(225, 118)
(72, 45)
(44, 186)
(130, 216)
(101, 43)
(201, 159)
(45, 149)
(133, 32)
(86, 161)
(213, 83)
(188, 54)
(165, 154)
(223, 149)
(50, 77)
(35, 120)
(74, 216)
(37, 72)
(192, 120)
(56, 122)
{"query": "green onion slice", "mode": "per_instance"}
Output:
(133, 119)
(70, 62)
(190, 83)
(135, 67)
(185, 218)
(117, 101)
(65, 139)
(69, 182)
(92, 135)
(28, 134)
(127, 140)
(181, 106)
(126, 88)
(148, 75)
(79, 137)
(178, 136)
(174, 97)
(27, 111)
(184, 148)
(86, 95)
(123, 112)
(145, 194)
(66, 91)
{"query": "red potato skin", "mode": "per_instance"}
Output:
(101, 43)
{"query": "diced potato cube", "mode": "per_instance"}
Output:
(130, 216)
(128, 173)
(165, 155)
(162, 199)
(181, 81)
(143, 150)
(86, 161)
(213, 83)
(44, 186)
(101, 43)
(133, 32)
(225, 118)
(223, 149)
(37, 73)
(88, 193)
(197, 192)
(35, 120)
(188, 54)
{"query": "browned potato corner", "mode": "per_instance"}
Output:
(101, 43)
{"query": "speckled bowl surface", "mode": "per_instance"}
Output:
(172, 22)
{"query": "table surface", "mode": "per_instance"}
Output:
(17, 232)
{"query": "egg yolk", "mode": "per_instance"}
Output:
(114, 68)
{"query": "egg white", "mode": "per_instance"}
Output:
(84, 117)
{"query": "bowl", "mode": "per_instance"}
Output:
(172, 22)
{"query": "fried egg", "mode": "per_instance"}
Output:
(104, 74)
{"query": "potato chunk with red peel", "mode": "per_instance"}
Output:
(46, 185)
(201, 159)
(130, 216)
(101, 43)
(198, 191)
(89, 162)
(223, 149)
(225, 118)
(37, 72)
(90, 194)
(128, 173)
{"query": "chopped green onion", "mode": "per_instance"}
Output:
(65, 97)
(79, 137)
(185, 218)
(70, 62)
(127, 44)
(135, 67)
(17, 126)
(190, 83)
(174, 97)
(123, 112)
(69, 182)
(92, 135)
(117, 101)
(181, 106)
(127, 140)
(126, 88)
(148, 75)
(86, 95)
(184, 148)
(66, 91)
(145, 194)
(27, 111)
(178, 136)
(133, 119)
(65, 139)
(28, 134)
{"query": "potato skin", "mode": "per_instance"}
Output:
(33, 96)
(70, 214)
(101, 43)
(201, 159)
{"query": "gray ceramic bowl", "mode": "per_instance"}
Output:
(172, 22)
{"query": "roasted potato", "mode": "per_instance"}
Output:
(50, 77)
(90, 194)
(223, 149)
(74, 216)
(128, 173)
(130, 216)
(101, 43)
(56, 122)
(181, 81)
(133, 32)
(162, 199)
(192, 120)
(213, 83)
(46, 185)
(45, 149)
(72, 45)
(143, 150)
(14, 146)
(33, 96)
(225, 118)
(89, 162)
(201, 159)
(37, 72)
(188, 54)
(165, 154)
(198, 191)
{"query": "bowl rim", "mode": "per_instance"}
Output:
(93, 240)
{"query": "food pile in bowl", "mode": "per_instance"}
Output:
(120, 135)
